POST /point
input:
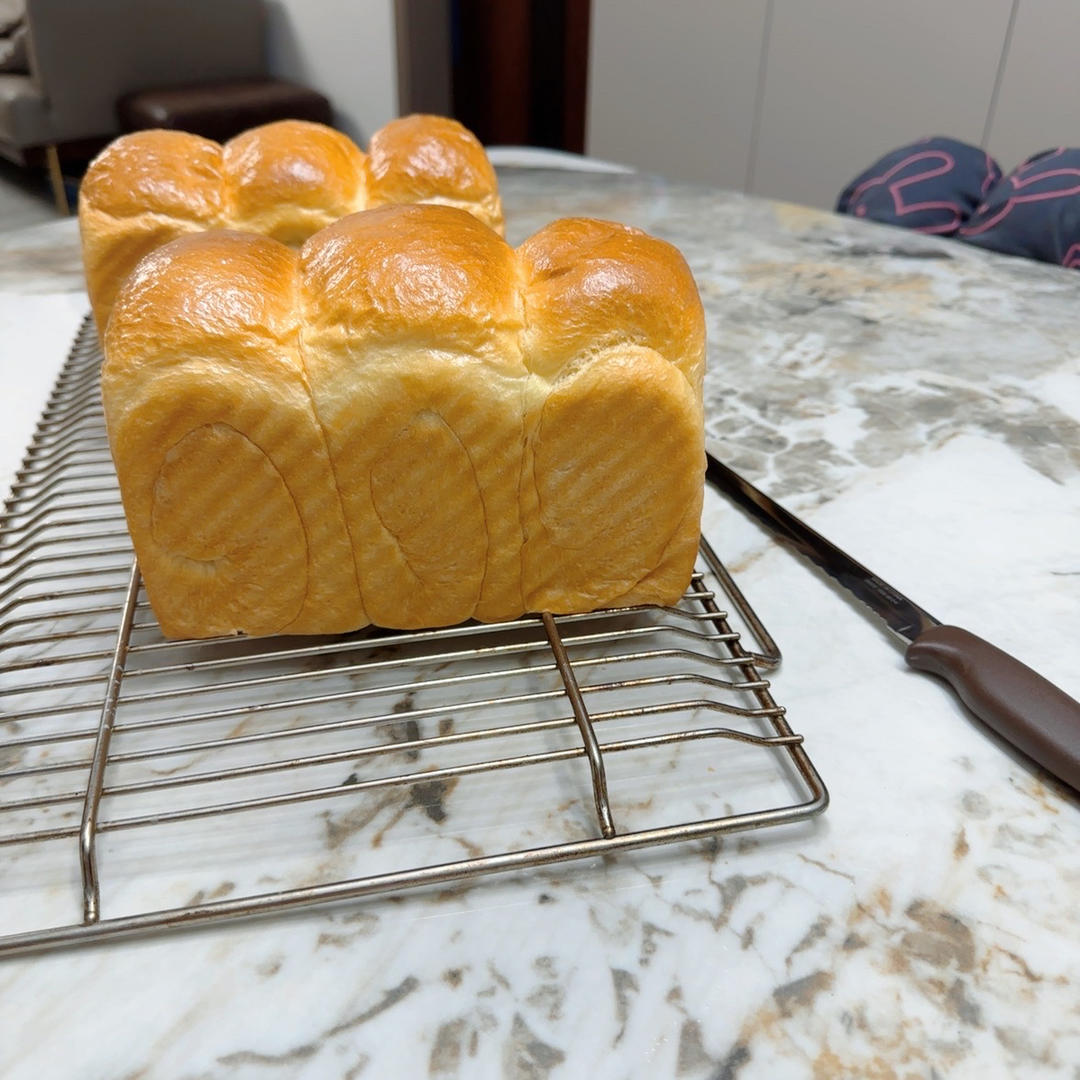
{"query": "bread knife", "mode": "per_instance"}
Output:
(1020, 705)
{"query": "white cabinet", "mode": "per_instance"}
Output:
(848, 80)
(344, 50)
(672, 85)
(1038, 104)
(792, 98)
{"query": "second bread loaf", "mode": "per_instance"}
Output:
(285, 180)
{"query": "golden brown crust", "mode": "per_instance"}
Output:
(286, 180)
(289, 179)
(141, 192)
(612, 484)
(423, 158)
(221, 460)
(109, 254)
(412, 319)
(373, 424)
(591, 282)
(160, 172)
(221, 290)
(616, 334)
(412, 267)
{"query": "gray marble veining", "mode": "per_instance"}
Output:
(919, 401)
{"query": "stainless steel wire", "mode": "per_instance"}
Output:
(107, 728)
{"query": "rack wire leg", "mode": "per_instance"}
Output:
(584, 723)
(96, 780)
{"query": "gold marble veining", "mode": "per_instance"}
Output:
(926, 928)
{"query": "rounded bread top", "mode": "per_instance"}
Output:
(412, 273)
(292, 163)
(156, 171)
(289, 178)
(421, 157)
(416, 277)
(227, 294)
(590, 284)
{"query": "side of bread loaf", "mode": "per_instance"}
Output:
(222, 462)
(409, 423)
(286, 180)
(616, 341)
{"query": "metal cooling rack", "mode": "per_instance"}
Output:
(133, 768)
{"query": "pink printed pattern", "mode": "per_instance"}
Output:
(1071, 258)
(1018, 182)
(896, 189)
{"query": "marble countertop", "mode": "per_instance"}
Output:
(918, 402)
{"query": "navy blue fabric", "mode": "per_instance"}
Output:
(932, 186)
(1034, 211)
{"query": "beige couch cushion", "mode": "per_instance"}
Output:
(14, 54)
(12, 13)
(23, 115)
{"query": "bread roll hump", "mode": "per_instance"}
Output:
(432, 159)
(289, 179)
(141, 192)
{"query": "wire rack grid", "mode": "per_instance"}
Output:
(148, 785)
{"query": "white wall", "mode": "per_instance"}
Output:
(792, 98)
(849, 80)
(346, 49)
(671, 85)
(1038, 105)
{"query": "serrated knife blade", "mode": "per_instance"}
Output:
(1024, 708)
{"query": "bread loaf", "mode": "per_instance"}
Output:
(285, 180)
(407, 423)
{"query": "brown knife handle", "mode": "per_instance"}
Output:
(1019, 704)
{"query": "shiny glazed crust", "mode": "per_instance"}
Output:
(285, 180)
(407, 423)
